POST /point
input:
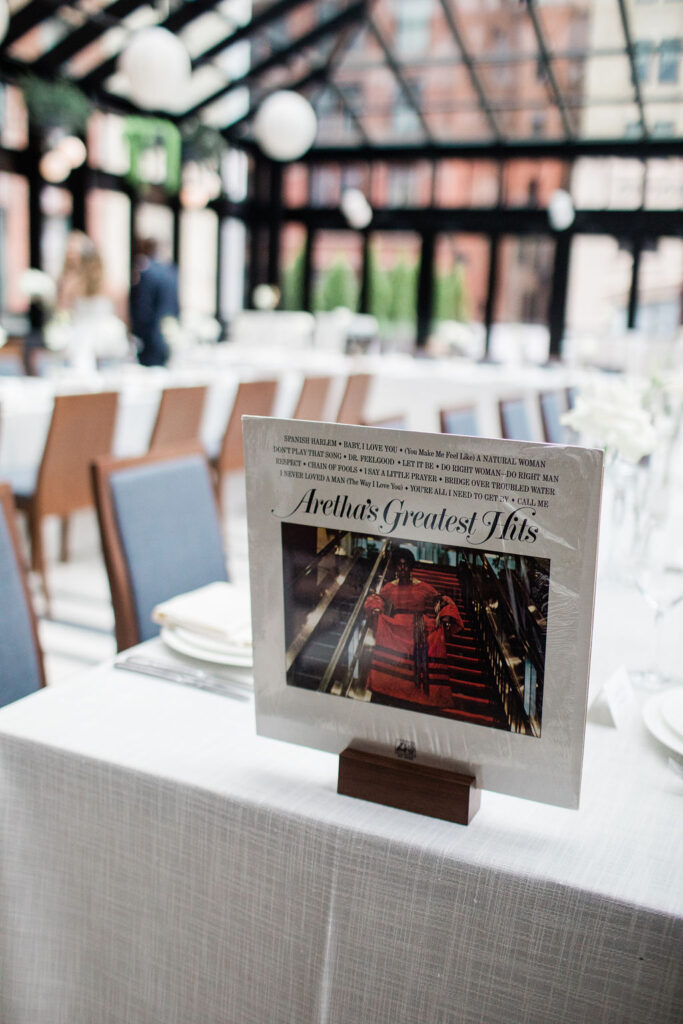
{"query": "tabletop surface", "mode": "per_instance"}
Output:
(624, 842)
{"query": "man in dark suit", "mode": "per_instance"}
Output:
(153, 296)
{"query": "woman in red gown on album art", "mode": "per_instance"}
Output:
(408, 618)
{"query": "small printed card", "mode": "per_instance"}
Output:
(425, 593)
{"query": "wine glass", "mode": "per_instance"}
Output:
(661, 586)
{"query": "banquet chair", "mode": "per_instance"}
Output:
(81, 429)
(552, 405)
(160, 533)
(460, 421)
(253, 398)
(514, 420)
(352, 405)
(11, 364)
(312, 400)
(21, 661)
(179, 418)
(395, 422)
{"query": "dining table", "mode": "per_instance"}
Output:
(403, 389)
(164, 864)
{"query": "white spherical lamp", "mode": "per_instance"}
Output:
(285, 126)
(73, 150)
(4, 19)
(560, 210)
(157, 67)
(54, 167)
(356, 208)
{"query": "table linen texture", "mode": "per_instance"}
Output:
(163, 865)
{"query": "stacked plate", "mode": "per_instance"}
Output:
(663, 716)
(211, 624)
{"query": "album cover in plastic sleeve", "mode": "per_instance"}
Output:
(425, 596)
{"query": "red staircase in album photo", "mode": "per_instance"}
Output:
(474, 694)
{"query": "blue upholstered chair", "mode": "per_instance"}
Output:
(460, 421)
(514, 420)
(21, 663)
(160, 533)
(553, 405)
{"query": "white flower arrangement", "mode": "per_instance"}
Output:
(37, 286)
(611, 415)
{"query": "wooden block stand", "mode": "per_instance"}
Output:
(435, 792)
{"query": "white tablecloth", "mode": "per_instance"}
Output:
(163, 865)
(413, 389)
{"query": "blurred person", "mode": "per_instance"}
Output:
(411, 621)
(85, 328)
(153, 298)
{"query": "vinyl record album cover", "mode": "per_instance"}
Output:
(425, 596)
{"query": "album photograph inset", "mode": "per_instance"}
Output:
(441, 630)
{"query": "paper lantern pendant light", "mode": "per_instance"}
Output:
(285, 126)
(157, 67)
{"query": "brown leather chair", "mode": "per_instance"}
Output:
(353, 400)
(253, 398)
(179, 418)
(160, 533)
(21, 660)
(81, 429)
(313, 398)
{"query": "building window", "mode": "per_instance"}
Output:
(669, 57)
(402, 183)
(413, 24)
(353, 97)
(324, 183)
(663, 130)
(405, 119)
(642, 53)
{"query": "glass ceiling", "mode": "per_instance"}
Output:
(389, 73)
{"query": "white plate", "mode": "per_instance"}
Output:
(657, 724)
(178, 640)
(671, 710)
(241, 653)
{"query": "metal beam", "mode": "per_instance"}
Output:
(544, 57)
(182, 16)
(536, 149)
(79, 38)
(400, 80)
(27, 18)
(279, 9)
(630, 51)
(352, 13)
(321, 72)
(623, 224)
(348, 109)
(470, 68)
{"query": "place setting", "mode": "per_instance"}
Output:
(210, 625)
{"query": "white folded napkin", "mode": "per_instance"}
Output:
(220, 611)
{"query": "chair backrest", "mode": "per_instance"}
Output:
(312, 401)
(160, 533)
(396, 422)
(21, 663)
(81, 430)
(514, 420)
(460, 421)
(253, 398)
(352, 405)
(553, 405)
(179, 418)
(11, 364)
